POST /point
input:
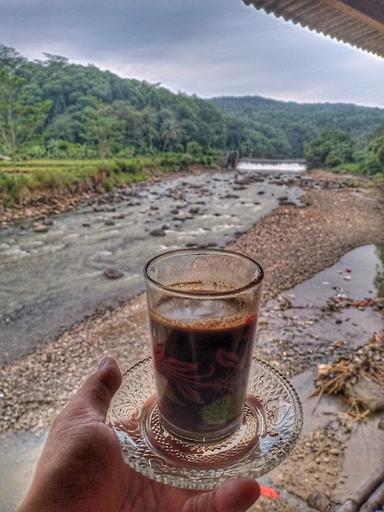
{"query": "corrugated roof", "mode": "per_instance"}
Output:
(357, 22)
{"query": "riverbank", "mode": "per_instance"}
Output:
(38, 189)
(293, 244)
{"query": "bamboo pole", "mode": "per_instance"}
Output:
(375, 500)
(362, 493)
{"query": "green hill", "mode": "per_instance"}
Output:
(65, 110)
(286, 127)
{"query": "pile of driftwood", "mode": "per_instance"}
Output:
(358, 376)
(367, 497)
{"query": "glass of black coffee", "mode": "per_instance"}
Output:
(203, 307)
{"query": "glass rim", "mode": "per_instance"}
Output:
(200, 252)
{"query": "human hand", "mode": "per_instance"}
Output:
(81, 467)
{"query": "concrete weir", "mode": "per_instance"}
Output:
(269, 165)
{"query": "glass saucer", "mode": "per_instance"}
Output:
(271, 425)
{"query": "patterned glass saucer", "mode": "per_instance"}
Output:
(271, 425)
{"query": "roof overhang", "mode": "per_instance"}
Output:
(357, 22)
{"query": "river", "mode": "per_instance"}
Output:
(51, 280)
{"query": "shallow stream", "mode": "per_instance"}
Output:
(50, 280)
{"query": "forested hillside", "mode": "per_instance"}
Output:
(55, 109)
(287, 128)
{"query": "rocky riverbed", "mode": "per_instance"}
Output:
(56, 270)
(293, 243)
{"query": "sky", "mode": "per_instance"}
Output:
(205, 47)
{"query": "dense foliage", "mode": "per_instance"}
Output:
(334, 148)
(55, 109)
(327, 135)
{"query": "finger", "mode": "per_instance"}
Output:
(237, 495)
(95, 395)
(233, 496)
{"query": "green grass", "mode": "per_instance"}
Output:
(350, 167)
(20, 181)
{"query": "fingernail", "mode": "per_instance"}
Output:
(103, 362)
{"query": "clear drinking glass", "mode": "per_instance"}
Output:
(203, 307)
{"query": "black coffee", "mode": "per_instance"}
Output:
(202, 366)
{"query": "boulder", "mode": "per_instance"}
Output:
(157, 232)
(368, 393)
(113, 273)
(40, 228)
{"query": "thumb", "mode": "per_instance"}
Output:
(233, 496)
(95, 395)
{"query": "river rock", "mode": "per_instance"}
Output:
(153, 207)
(242, 182)
(369, 393)
(109, 222)
(231, 196)
(193, 211)
(48, 222)
(157, 232)
(113, 273)
(319, 501)
(40, 228)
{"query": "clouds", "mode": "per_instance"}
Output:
(208, 47)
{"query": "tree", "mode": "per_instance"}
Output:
(330, 148)
(20, 114)
(102, 128)
(168, 130)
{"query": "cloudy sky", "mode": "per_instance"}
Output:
(207, 47)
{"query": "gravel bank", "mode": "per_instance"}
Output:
(292, 243)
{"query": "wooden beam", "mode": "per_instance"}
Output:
(357, 22)
(368, 12)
